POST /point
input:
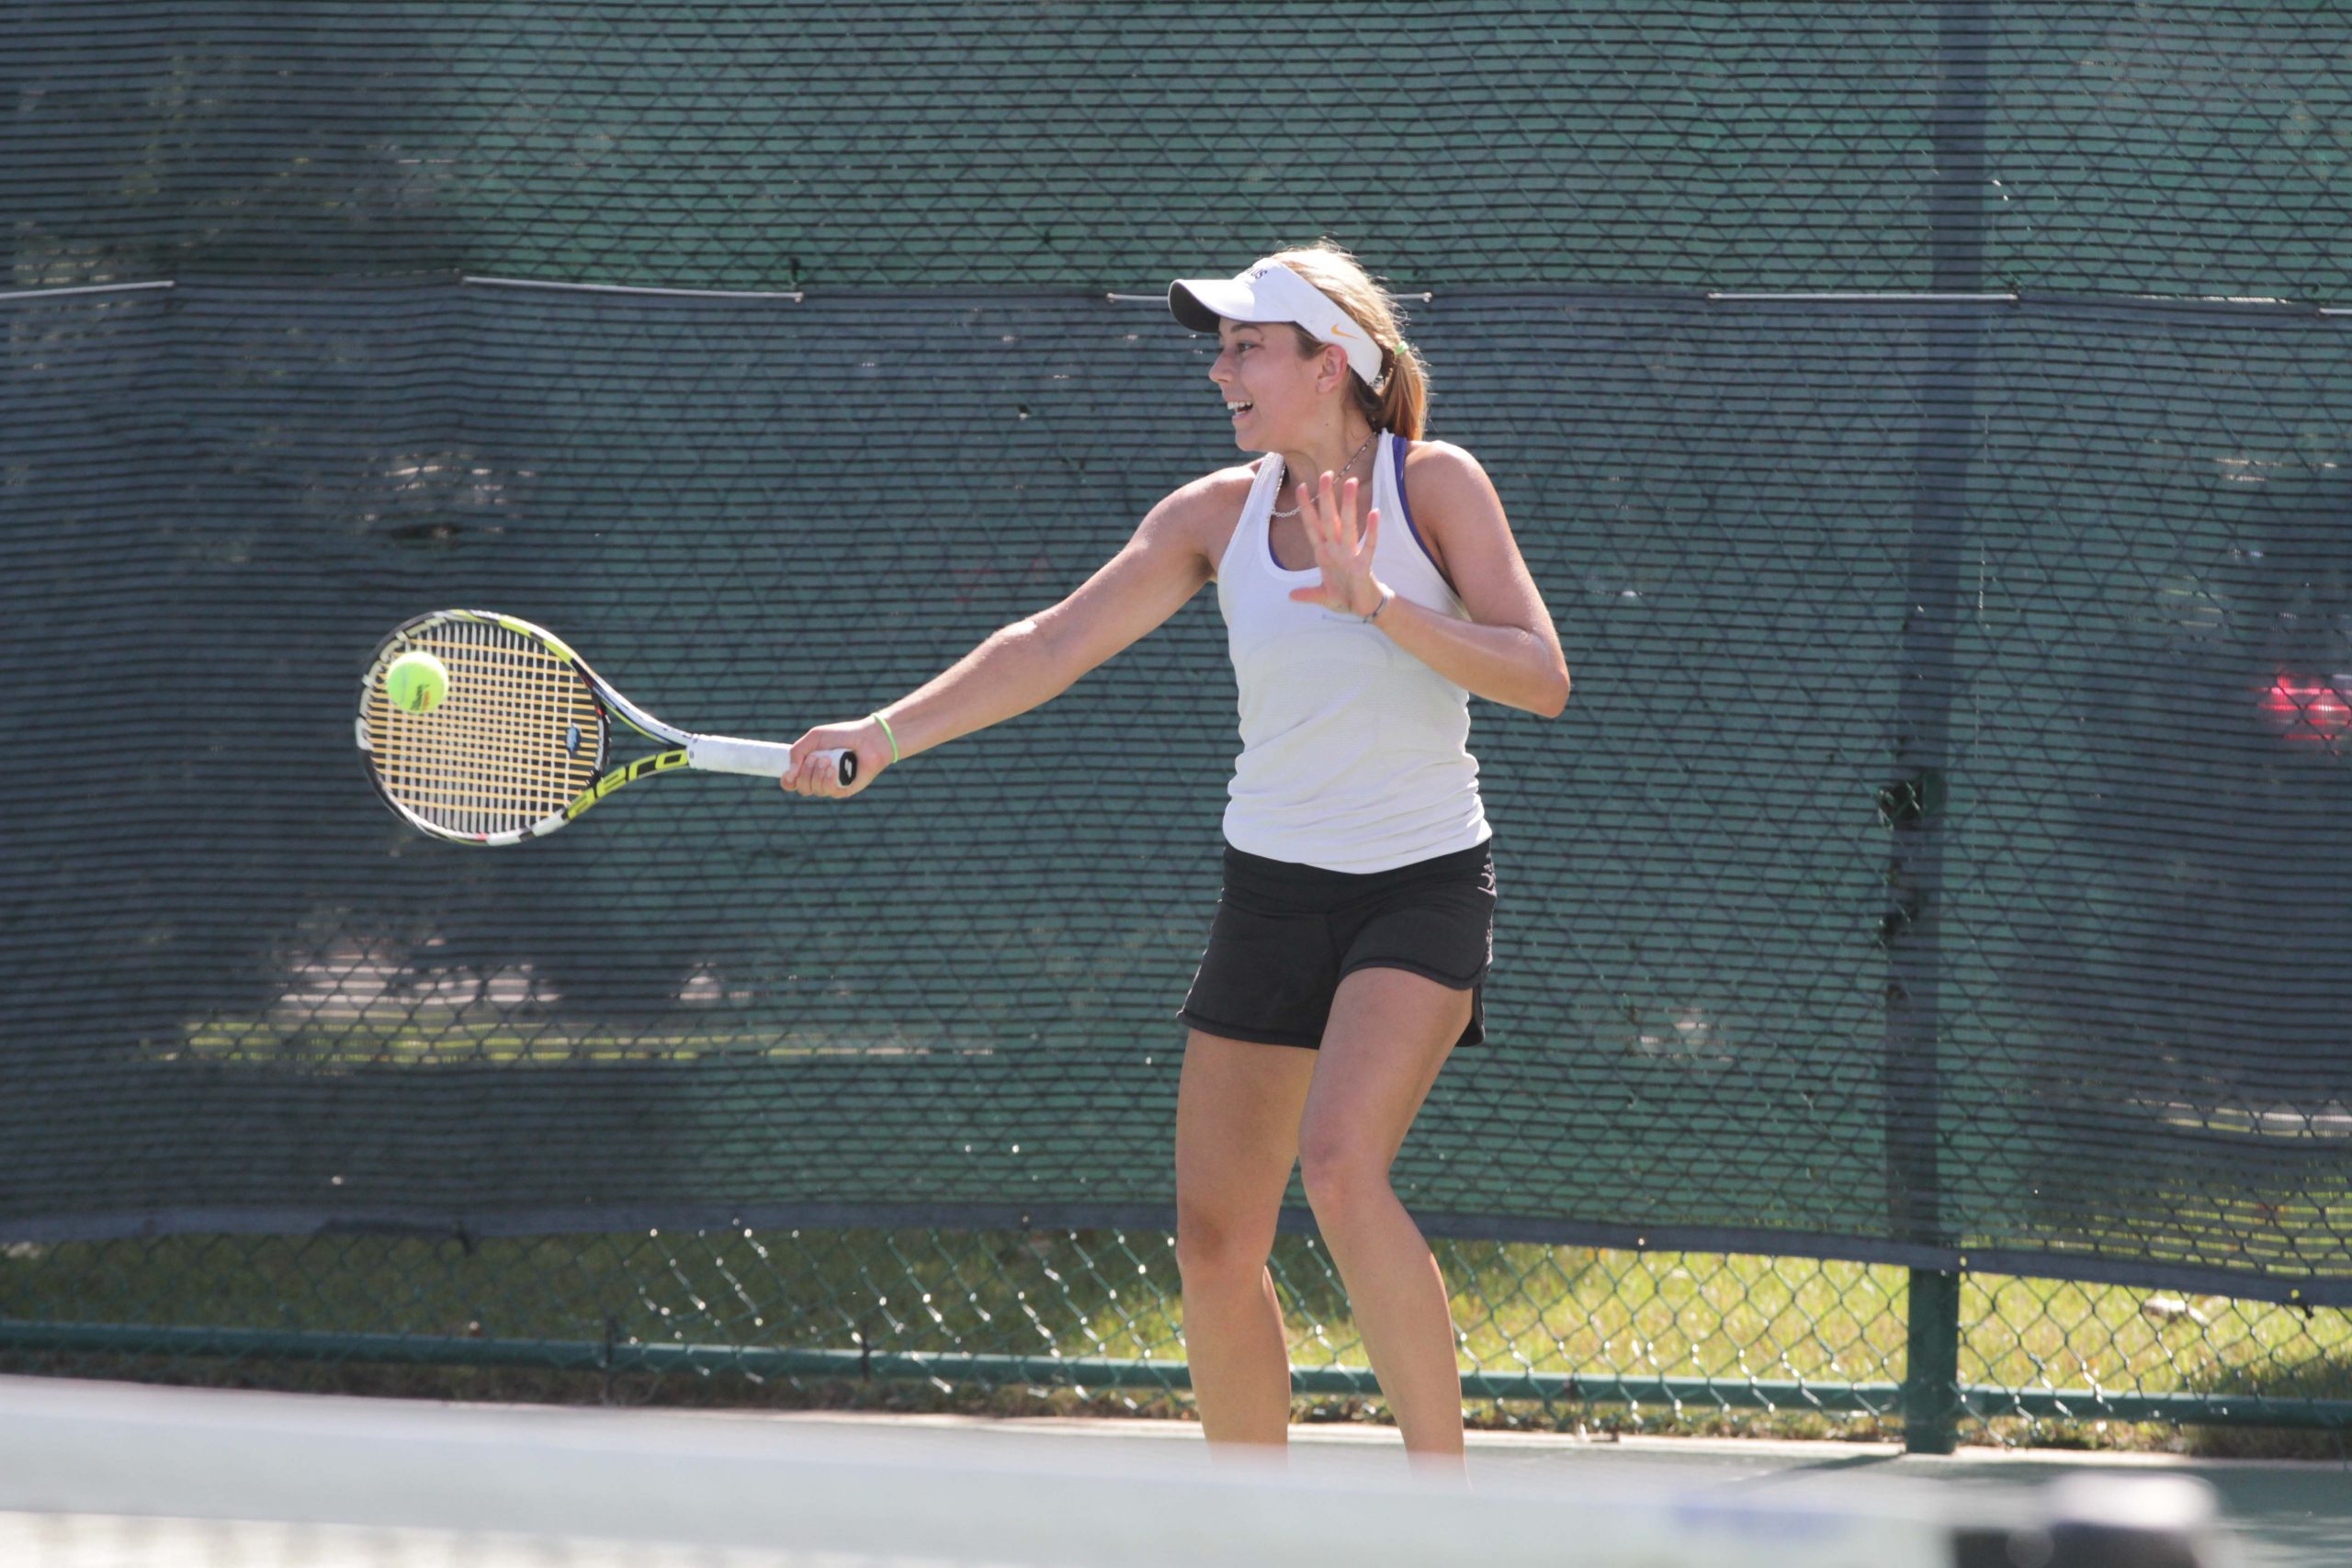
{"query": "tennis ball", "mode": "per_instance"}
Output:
(417, 682)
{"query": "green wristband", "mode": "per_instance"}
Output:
(885, 723)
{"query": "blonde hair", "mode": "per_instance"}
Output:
(1401, 402)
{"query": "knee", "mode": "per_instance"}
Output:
(1215, 1249)
(1341, 1174)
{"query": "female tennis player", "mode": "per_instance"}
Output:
(1347, 954)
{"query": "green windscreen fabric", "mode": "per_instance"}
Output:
(2182, 148)
(1942, 856)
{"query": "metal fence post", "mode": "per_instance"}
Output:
(1912, 804)
(1931, 1363)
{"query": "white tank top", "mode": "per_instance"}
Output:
(1353, 752)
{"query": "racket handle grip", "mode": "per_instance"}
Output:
(761, 759)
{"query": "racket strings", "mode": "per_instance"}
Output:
(518, 736)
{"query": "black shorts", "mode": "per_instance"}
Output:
(1286, 935)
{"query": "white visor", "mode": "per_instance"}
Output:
(1272, 292)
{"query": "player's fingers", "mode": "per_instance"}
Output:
(809, 767)
(815, 770)
(1309, 517)
(1338, 526)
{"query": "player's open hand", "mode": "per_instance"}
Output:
(812, 773)
(1342, 551)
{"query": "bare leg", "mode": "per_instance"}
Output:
(1389, 1032)
(1238, 1109)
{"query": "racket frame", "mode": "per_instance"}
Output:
(681, 748)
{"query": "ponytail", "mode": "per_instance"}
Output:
(1400, 403)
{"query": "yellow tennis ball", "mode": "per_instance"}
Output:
(417, 682)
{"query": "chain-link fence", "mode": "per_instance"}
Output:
(1572, 1339)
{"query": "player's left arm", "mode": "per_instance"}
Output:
(1508, 651)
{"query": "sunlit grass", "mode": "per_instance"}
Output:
(428, 1041)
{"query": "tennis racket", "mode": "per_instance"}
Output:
(522, 742)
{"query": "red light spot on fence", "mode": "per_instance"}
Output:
(2308, 710)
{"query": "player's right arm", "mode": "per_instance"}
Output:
(1033, 660)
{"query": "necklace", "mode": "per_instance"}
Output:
(1342, 474)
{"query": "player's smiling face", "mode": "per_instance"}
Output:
(1269, 386)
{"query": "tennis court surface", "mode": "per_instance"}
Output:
(107, 1473)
